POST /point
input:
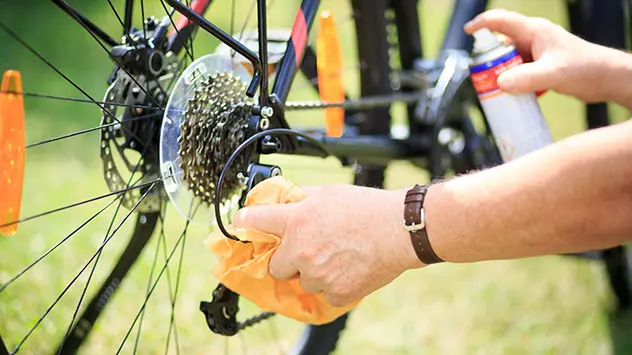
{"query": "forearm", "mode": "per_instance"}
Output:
(613, 73)
(573, 196)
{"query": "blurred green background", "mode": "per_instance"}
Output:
(546, 305)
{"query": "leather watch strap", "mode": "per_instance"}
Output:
(415, 223)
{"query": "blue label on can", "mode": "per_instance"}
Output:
(492, 63)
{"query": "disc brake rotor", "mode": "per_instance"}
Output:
(205, 121)
(129, 131)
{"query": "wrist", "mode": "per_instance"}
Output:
(415, 243)
(612, 75)
(405, 256)
(434, 226)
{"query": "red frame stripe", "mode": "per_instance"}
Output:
(299, 36)
(198, 7)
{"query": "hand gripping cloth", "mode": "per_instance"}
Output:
(243, 267)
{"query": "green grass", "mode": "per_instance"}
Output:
(547, 305)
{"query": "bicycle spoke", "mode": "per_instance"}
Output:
(125, 29)
(153, 287)
(248, 16)
(175, 296)
(176, 28)
(120, 65)
(73, 99)
(74, 279)
(88, 130)
(83, 202)
(50, 65)
(41, 257)
(270, 5)
(191, 36)
(232, 17)
(151, 272)
(96, 261)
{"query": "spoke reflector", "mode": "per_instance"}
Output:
(330, 81)
(12, 150)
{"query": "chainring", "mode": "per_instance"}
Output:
(205, 121)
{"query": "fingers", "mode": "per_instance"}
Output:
(281, 266)
(309, 285)
(268, 218)
(526, 78)
(336, 300)
(512, 24)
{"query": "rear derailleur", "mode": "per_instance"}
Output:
(221, 311)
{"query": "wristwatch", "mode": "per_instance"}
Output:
(415, 224)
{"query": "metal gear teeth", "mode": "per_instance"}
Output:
(216, 118)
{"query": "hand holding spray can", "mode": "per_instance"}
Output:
(516, 121)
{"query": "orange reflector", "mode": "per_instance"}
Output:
(330, 81)
(12, 150)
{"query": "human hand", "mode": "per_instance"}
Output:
(555, 59)
(345, 241)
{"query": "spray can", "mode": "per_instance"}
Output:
(516, 121)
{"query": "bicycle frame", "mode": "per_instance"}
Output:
(372, 150)
(367, 149)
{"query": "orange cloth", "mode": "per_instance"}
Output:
(243, 267)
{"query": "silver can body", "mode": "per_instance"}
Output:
(516, 121)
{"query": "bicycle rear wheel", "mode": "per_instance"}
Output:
(155, 283)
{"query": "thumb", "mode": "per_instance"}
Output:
(265, 218)
(526, 78)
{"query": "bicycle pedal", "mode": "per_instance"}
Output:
(12, 151)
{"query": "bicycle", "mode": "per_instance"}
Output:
(443, 136)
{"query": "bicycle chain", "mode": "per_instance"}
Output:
(360, 103)
(214, 125)
(254, 320)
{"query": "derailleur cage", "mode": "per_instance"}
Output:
(221, 312)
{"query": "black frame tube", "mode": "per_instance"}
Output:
(144, 229)
(263, 51)
(65, 7)
(129, 11)
(369, 149)
(224, 38)
(463, 11)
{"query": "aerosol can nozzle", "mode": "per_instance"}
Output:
(484, 40)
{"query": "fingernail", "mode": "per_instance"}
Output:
(471, 22)
(505, 83)
(239, 217)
